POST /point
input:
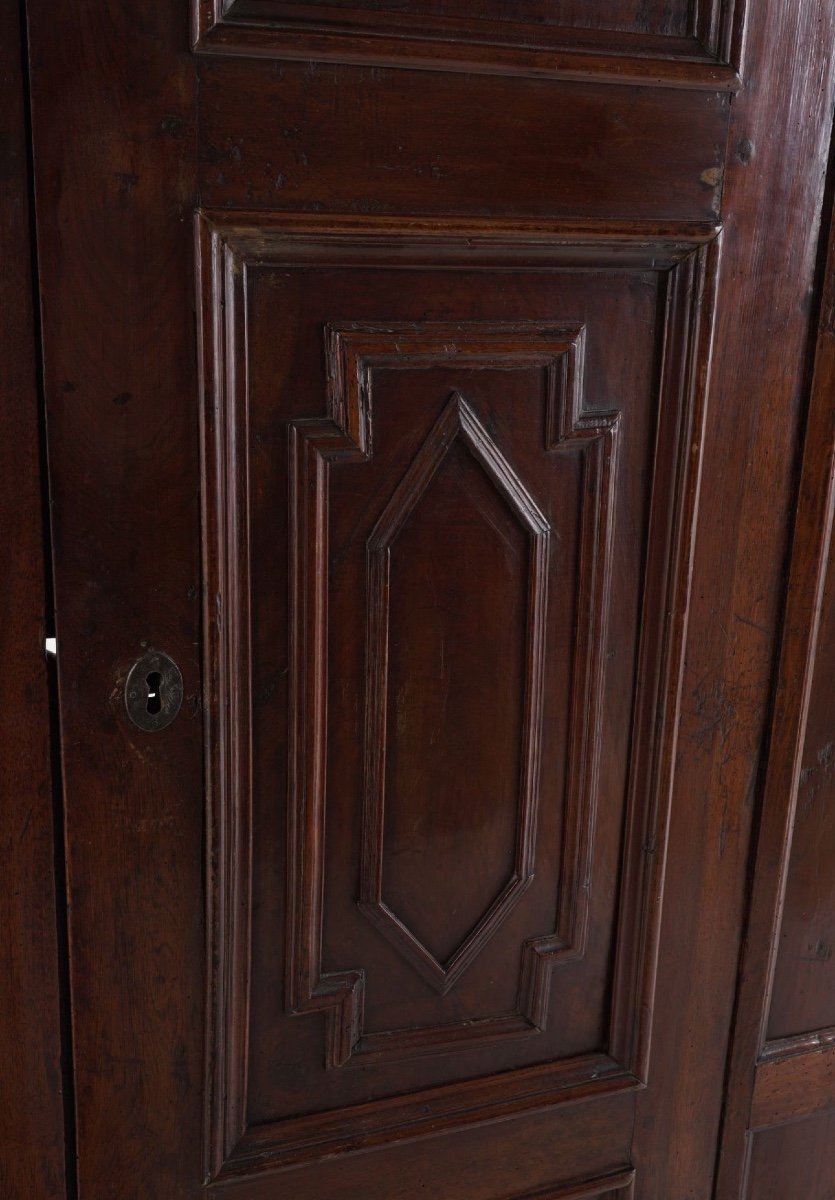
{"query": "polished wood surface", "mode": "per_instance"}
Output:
(782, 1068)
(31, 1107)
(430, 386)
(681, 44)
(113, 129)
(460, 507)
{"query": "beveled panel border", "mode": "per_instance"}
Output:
(352, 354)
(686, 255)
(457, 423)
(708, 57)
(615, 1183)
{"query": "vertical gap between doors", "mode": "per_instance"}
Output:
(58, 828)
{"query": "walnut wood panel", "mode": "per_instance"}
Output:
(617, 1185)
(683, 44)
(267, 274)
(775, 1078)
(584, 1142)
(328, 137)
(31, 1116)
(794, 1079)
(120, 390)
(803, 991)
(794, 1162)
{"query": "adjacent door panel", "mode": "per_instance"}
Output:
(31, 1112)
(782, 1080)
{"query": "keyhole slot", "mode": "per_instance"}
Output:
(154, 682)
(153, 691)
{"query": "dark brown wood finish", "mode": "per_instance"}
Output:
(436, 884)
(452, 380)
(113, 117)
(782, 1065)
(31, 1110)
(748, 496)
(689, 45)
(794, 1161)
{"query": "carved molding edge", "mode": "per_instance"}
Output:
(707, 57)
(352, 355)
(620, 1184)
(688, 258)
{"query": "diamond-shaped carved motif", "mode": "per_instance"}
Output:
(457, 425)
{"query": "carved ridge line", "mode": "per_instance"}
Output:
(597, 1185)
(266, 237)
(778, 1049)
(226, 673)
(571, 427)
(313, 444)
(707, 56)
(352, 353)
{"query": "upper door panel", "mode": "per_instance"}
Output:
(695, 42)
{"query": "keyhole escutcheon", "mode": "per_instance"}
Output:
(153, 691)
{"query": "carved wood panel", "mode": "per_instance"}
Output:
(794, 1162)
(445, 594)
(803, 990)
(693, 43)
(509, 412)
(353, 354)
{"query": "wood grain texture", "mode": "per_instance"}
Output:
(240, 1022)
(325, 137)
(803, 982)
(617, 1185)
(354, 355)
(584, 1143)
(794, 1162)
(113, 120)
(798, 664)
(458, 424)
(747, 499)
(31, 1113)
(794, 1081)
(694, 46)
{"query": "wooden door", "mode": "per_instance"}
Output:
(424, 379)
(777, 1136)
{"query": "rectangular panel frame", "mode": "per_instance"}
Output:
(226, 245)
(709, 56)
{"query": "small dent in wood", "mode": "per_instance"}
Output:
(745, 150)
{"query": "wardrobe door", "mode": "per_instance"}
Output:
(779, 1120)
(423, 384)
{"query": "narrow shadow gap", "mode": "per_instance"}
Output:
(58, 815)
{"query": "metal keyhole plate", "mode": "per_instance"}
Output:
(153, 691)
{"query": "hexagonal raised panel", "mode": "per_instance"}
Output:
(591, 389)
(482, 862)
